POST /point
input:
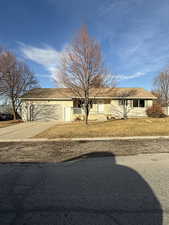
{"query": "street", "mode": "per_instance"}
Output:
(98, 189)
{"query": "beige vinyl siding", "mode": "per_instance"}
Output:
(44, 109)
(111, 108)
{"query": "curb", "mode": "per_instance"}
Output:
(86, 139)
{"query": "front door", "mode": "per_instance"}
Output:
(67, 114)
(100, 107)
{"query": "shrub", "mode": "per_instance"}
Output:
(155, 111)
(110, 117)
(77, 119)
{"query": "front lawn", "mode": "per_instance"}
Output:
(8, 123)
(120, 128)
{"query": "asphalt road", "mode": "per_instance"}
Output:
(92, 191)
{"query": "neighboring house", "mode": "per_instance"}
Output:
(5, 112)
(5, 108)
(106, 103)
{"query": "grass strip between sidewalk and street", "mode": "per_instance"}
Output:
(67, 150)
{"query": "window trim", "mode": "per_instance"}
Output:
(138, 100)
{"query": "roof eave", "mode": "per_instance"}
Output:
(53, 99)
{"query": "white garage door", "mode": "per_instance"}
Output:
(46, 112)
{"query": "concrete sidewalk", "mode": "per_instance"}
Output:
(24, 130)
(80, 139)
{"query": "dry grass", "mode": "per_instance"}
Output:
(8, 123)
(130, 127)
(62, 151)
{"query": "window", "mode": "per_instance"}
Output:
(91, 104)
(77, 103)
(123, 102)
(139, 103)
(135, 103)
(142, 103)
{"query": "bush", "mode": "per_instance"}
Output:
(155, 111)
(77, 119)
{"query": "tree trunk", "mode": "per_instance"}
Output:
(13, 110)
(86, 106)
(86, 119)
(86, 114)
(124, 110)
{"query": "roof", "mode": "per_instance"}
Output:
(66, 93)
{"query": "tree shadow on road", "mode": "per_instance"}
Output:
(91, 191)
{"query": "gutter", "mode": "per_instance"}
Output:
(115, 98)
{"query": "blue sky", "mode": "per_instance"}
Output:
(134, 35)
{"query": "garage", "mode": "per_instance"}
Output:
(45, 112)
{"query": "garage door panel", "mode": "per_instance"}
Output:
(46, 112)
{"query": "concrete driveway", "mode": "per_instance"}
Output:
(94, 191)
(24, 130)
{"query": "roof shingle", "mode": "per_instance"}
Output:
(63, 93)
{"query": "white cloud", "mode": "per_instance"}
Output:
(138, 39)
(127, 77)
(47, 57)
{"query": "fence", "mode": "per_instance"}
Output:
(80, 111)
(77, 111)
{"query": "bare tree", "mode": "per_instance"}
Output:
(81, 68)
(157, 95)
(125, 102)
(161, 87)
(16, 79)
(1, 52)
